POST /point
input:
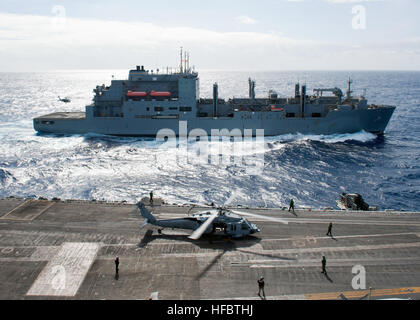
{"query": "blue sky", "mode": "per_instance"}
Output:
(230, 34)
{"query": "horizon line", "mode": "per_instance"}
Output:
(214, 70)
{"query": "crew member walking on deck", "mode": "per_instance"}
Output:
(292, 205)
(329, 230)
(117, 263)
(261, 287)
(151, 197)
(324, 263)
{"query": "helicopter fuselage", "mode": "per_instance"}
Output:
(225, 223)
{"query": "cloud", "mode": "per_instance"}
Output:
(245, 20)
(342, 1)
(352, 1)
(42, 30)
(42, 42)
(44, 38)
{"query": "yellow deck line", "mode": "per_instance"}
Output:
(4, 217)
(42, 211)
(22, 204)
(362, 293)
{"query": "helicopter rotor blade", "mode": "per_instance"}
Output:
(145, 223)
(260, 216)
(201, 229)
(199, 204)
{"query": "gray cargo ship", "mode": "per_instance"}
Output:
(147, 102)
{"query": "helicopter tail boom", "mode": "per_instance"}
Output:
(146, 213)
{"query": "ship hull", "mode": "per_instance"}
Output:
(336, 122)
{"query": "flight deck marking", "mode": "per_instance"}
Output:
(31, 217)
(41, 212)
(362, 293)
(65, 272)
(22, 204)
(335, 295)
(295, 250)
(160, 242)
(344, 237)
(358, 221)
(270, 264)
(334, 249)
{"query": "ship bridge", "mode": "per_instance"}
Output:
(148, 94)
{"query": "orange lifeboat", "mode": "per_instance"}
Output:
(160, 94)
(273, 108)
(136, 93)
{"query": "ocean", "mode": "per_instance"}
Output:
(312, 169)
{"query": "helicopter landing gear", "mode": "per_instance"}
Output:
(229, 239)
(213, 230)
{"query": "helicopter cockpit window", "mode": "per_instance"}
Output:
(244, 226)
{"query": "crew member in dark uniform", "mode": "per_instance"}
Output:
(117, 263)
(329, 230)
(261, 286)
(324, 263)
(292, 205)
(151, 197)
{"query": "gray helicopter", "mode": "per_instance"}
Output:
(222, 221)
(66, 99)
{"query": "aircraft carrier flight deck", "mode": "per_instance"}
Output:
(66, 250)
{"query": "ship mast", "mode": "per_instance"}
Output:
(349, 92)
(180, 62)
(185, 62)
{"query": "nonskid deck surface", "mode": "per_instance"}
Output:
(40, 241)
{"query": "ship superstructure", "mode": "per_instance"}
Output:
(149, 101)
